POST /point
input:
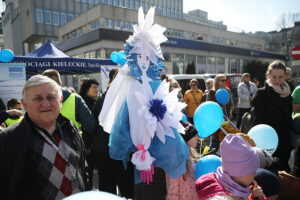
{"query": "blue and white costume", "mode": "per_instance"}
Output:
(139, 112)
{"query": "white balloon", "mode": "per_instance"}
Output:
(93, 195)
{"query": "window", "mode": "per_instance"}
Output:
(220, 61)
(109, 51)
(115, 2)
(126, 3)
(95, 24)
(168, 12)
(70, 16)
(73, 33)
(211, 60)
(220, 67)
(38, 15)
(201, 64)
(116, 24)
(178, 63)
(47, 16)
(137, 4)
(127, 25)
(55, 18)
(109, 23)
(201, 60)
(92, 54)
(131, 4)
(233, 66)
(63, 18)
(167, 56)
(79, 31)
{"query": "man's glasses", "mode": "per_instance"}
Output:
(193, 85)
(223, 81)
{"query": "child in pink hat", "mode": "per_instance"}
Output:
(235, 178)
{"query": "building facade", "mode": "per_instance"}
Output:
(283, 41)
(29, 23)
(104, 28)
(95, 28)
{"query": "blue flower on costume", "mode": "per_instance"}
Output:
(157, 108)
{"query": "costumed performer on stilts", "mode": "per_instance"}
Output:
(140, 113)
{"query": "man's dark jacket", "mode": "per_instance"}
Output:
(15, 182)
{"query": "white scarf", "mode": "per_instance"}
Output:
(283, 90)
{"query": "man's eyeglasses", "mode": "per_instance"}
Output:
(223, 81)
(193, 85)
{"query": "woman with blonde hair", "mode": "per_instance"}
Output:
(220, 82)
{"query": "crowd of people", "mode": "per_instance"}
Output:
(134, 135)
(52, 150)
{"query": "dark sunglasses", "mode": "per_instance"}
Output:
(223, 81)
(193, 84)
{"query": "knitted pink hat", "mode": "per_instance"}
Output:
(238, 157)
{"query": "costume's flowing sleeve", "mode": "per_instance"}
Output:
(114, 98)
(120, 144)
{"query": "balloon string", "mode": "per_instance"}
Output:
(200, 148)
(224, 108)
(231, 123)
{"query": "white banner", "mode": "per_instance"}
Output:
(12, 80)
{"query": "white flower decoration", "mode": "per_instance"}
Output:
(161, 110)
(147, 37)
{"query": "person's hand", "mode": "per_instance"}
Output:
(256, 191)
(250, 98)
(14, 112)
(146, 176)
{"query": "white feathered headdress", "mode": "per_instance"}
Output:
(147, 37)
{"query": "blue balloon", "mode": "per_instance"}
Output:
(265, 137)
(184, 118)
(115, 56)
(208, 118)
(122, 54)
(93, 195)
(222, 96)
(207, 164)
(6, 55)
(122, 61)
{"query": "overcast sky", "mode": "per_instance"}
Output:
(247, 15)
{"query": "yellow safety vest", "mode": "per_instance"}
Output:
(68, 109)
(10, 121)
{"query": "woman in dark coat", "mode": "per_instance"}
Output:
(89, 93)
(273, 106)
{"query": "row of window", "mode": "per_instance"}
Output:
(205, 22)
(203, 64)
(125, 25)
(169, 8)
(106, 23)
(46, 16)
